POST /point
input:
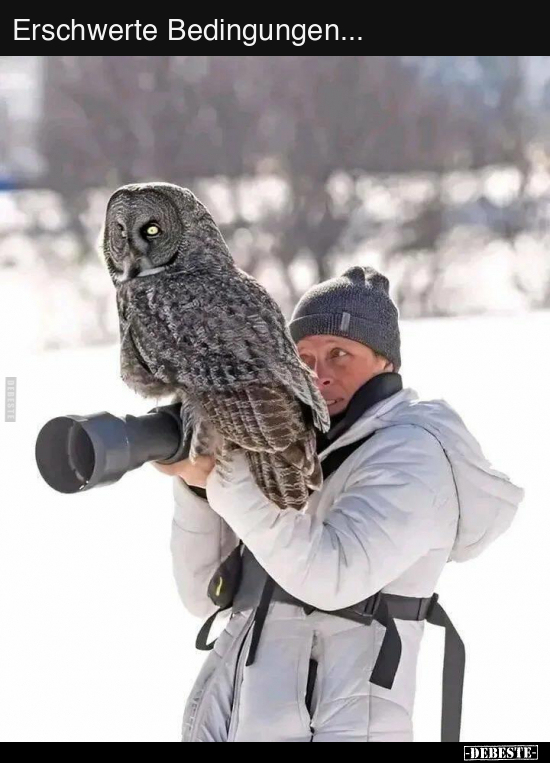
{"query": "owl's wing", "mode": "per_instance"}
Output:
(265, 321)
(286, 484)
(256, 417)
(299, 378)
(293, 373)
(267, 422)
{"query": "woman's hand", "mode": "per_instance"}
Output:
(193, 474)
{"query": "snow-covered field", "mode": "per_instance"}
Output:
(95, 644)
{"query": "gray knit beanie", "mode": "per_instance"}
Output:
(355, 305)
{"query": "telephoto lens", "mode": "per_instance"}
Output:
(76, 453)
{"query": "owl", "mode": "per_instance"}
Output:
(195, 326)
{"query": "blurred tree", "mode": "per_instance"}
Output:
(118, 119)
(321, 125)
(367, 115)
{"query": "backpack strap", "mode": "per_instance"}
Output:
(454, 660)
(201, 642)
(337, 457)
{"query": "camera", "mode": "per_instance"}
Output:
(76, 453)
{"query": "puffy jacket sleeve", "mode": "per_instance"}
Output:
(200, 541)
(382, 521)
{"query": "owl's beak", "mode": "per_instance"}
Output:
(131, 269)
(151, 271)
(137, 267)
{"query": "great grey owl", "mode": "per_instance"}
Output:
(194, 325)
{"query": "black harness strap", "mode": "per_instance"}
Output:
(202, 636)
(335, 459)
(389, 655)
(385, 608)
(454, 660)
(259, 618)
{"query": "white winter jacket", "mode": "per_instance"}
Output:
(416, 495)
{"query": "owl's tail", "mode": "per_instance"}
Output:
(288, 477)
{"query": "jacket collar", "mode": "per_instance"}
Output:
(374, 391)
(375, 398)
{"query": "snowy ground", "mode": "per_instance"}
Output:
(95, 645)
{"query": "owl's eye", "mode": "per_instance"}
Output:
(152, 230)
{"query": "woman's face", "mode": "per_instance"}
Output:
(342, 366)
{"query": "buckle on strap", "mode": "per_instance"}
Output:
(431, 605)
(363, 612)
(371, 606)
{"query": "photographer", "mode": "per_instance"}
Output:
(414, 495)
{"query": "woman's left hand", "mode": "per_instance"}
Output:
(193, 474)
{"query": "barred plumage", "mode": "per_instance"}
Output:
(194, 324)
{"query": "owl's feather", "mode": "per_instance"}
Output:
(192, 323)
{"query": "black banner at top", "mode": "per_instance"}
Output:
(181, 35)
